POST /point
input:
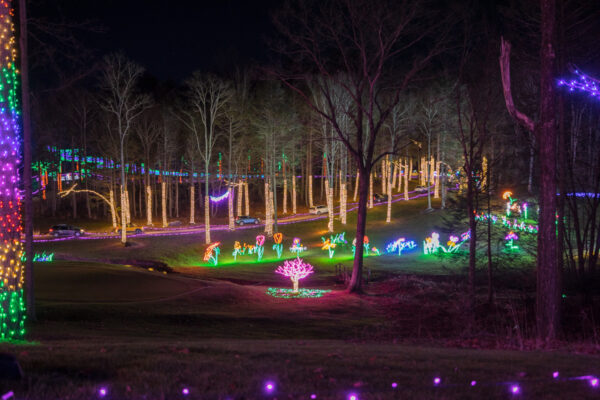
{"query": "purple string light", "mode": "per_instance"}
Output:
(582, 83)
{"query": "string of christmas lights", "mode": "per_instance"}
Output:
(12, 305)
(582, 83)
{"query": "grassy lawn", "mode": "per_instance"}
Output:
(147, 334)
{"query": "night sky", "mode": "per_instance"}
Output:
(172, 39)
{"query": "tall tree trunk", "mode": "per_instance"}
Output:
(472, 242)
(310, 191)
(163, 192)
(28, 200)
(548, 275)
(123, 214)
(230, 208)
(268, 213)
(74, 205)
(148, 204)
(329, 190)
(361, 222)
(406, 178)
(371, 190)
(246, 198)
(388, 217)
(206, 206)
(177, 198)
(240, 195)
(294, 192)
(192, 203)
(356, 186)
(113, 213)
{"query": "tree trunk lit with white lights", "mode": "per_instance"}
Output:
(149, 205)
(230, 208)
(163, 191)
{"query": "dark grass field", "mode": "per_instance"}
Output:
(146, 334)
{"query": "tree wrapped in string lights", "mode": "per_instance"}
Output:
(295, 269)
(12, 304)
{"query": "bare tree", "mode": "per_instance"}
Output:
(208, 95)
(122, 101)
(148, 131)
(361, 40)
(548, 274)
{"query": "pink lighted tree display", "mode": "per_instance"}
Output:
(295, 269)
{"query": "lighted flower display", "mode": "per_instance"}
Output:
(211, 254)
(278, 246)
(295, 269)
(259, 248)
(510, 241)
(12, 304)
(432, 243)
(297, 247)
(399, 245)
(366, 245)
(329, 246)
(238, 250)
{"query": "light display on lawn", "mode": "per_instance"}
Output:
(300, 294)
(510, 241)
(278, 246)
(297, 247)
(366, 246)
(399, 245)
(238, 250)
(12, 304)
(432, 245)
(329, 246)
(259, 248)
(295, 269)
(211, 254)
(507, 196)
(37, 257)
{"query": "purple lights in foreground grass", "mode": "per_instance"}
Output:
(515, 389)
(102, 392)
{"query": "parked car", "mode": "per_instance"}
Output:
(421, 189)
(131, 229)
(320, 209)
(378, 197)
(242, 220)
(65, 230)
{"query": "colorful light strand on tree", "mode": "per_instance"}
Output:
(12, 304)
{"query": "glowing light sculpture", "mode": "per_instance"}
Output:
(399, 245)
(12, 304)
(510, 241)
(297, 247)
(40, 257)
(329, 246)
(218, 199)
(211, 254)
(432, 243)
(295, 269)
(259, 248)
(278, 247)
(238, 250)
(366, 246)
